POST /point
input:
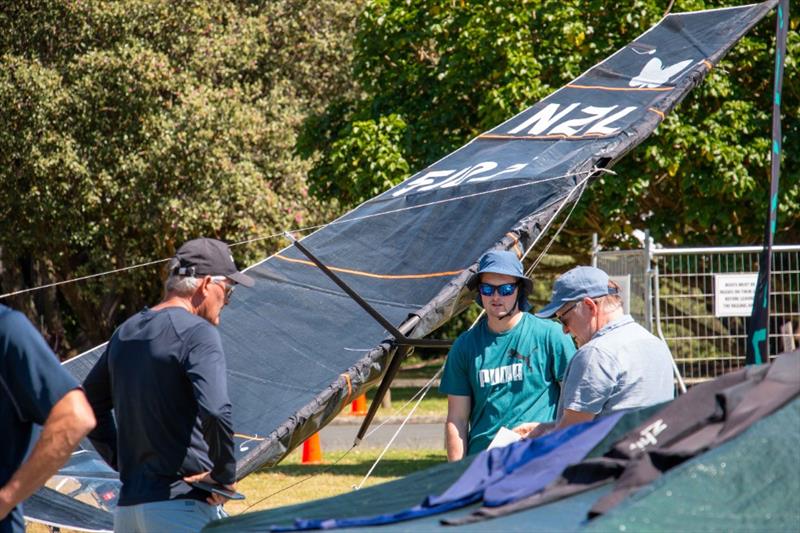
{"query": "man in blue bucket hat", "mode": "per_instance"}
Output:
(505, 370)
(619, 365)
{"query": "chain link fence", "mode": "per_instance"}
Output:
(699, 300)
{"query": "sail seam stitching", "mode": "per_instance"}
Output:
(370, 274)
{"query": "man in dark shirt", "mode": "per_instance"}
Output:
(163, 374)
(34, 389)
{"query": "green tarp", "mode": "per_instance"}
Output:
(403, 493)
(751, 483)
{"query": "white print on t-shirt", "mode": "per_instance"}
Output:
(502, 374)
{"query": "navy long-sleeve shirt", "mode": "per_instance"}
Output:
(163, 374)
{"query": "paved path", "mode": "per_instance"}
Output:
(421, 432)
(414, 382)
(414, 436)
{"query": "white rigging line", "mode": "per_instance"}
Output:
(82, 278)
(329, 467)
(308, 228)
(324, 470)
(398, 411)
(426, 388)
(581, 187)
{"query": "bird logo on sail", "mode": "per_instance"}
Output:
(654, 74)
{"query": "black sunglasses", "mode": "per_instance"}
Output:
(560, 317)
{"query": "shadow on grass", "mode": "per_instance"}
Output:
(387, 467)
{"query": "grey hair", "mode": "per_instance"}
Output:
(181, 285)
(612, 301)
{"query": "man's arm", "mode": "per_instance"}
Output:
(586, 387)
(570, 418)
(68, 422)
(205, 367)
(98, 391)
(456, 431)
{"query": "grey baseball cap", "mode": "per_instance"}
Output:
(576, 284)
(208, 257)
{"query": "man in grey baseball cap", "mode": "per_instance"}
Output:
(164, 375)
(619, 365)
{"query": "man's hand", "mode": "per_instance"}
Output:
(205, 477)
(532, 430)
(523, 430)
(5, 504)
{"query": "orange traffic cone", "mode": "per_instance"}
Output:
(312, 450)
(359, 406)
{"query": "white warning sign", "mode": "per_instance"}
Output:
(733, 294)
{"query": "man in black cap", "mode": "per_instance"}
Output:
(163, 374)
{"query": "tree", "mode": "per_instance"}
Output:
(440, 72)
(132, 126)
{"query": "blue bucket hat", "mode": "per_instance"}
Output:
(507, 263)
(576, 284)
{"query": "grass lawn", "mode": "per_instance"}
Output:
(292, 482)
(291, 477)
(434, 403)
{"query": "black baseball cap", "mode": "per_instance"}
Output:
(208, 257)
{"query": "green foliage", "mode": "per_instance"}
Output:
(450, 70)
(131, 126)
(365, 161)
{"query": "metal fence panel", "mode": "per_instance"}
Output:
(631, 263)
(705, 345)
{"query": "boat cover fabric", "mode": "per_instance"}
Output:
(498, 476)
(708, 415)
(400, 495)
(749, 484)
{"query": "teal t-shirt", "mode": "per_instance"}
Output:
(511, 377)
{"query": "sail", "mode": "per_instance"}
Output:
(299, 349)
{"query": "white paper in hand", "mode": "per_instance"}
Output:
(504, 437)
